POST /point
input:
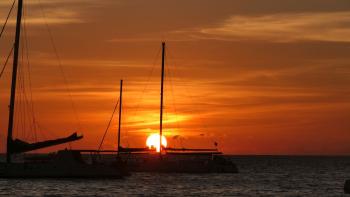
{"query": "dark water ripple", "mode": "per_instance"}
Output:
(259, 176)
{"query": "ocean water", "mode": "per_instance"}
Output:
(259, 176)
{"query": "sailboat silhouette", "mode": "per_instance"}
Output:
(64, 163)
(184, 160)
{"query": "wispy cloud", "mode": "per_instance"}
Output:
(286, 27)
(41, 12)
(57, 16)
(45, 2)
(331, 26)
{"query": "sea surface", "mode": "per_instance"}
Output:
(259, 176)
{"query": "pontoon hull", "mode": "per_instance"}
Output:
(179, 164)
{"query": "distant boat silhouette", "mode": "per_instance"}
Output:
(347, 187)
(181, 160)
(64, 163)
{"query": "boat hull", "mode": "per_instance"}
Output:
(64, 164)
(51, 170)
(179, 164)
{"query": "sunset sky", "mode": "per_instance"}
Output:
(256, 76)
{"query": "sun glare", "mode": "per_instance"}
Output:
(153, 141)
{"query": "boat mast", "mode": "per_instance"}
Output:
(14, 80)
(120, 112)
(161, 102)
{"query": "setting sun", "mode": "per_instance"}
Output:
(153, 141)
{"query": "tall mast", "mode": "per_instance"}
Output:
(14, 80)
(161, 101)
(120, 112)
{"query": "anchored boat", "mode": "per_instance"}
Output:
(64, 163)
(179, 160)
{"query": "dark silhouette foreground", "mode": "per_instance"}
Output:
(347, 187)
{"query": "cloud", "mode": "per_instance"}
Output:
(279, 28)
(41, 12)
(290, 27)
(45, 2)
(58, 16)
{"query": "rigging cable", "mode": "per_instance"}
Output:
(7, 59)
(7, 18)
(140, 98)
(30, 103)
(109, 124)
(172, 93)
(66, 82)
(202, 122)
(147, 82)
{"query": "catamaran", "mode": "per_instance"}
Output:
(179, 160)
(62, 164)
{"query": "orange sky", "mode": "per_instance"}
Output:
(257, 76)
